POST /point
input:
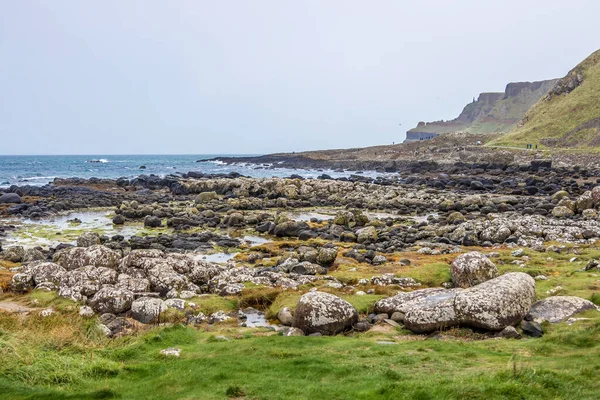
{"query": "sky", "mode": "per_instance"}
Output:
(255, 77)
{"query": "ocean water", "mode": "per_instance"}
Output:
(40, 170)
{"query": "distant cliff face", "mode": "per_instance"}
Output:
(568, 116)
(490, 113)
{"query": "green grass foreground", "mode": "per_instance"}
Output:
(72, 362)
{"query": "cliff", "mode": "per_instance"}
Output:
(490, 113)
(567, 116)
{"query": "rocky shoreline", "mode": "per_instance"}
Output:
(321, 239)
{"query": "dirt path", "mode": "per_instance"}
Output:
(12, 307)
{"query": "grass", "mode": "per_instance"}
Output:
(563, 118)
(64, 356)
(563, 364)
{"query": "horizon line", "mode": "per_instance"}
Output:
(139, 154)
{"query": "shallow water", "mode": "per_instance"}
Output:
(255, 319)
(58, 229)
(307, 216)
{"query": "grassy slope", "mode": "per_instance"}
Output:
(64, 357)
(563, 113)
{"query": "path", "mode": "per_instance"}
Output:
(13, 307)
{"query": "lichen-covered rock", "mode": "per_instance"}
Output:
(584, 202)
(97, 256)
(492, 305)
(366, 235)
(232, 289)
(326, 256)
(559, 308)
(471, 269)
(147, 309)
(47, 273)
(562, 212)
(22, 282)
(88, 239)
(112, 300)
(206, 197)
(324, 313)
(437, 313)
(32, 255)
(403, 302)
(163, 278)
(497, 303)
(135, 285)
(13, 254)
(455, 218)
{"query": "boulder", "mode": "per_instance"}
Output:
(88, 239)
(402, 302)
(471, 269)
(324, 313)
(112, 300)
(10, 198)
(152, 222)
(285, 316)
(47, 273)
(562, 212)
(532, 328)
(326, 256)
(205, 197)
(497, 303)
(13, 254)
(559, 308)
(147, 309)
(33, 255)
(97, 256)
(21, 282)
(366, 235)
(289, 228)
(492, 305)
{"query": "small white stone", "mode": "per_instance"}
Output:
(171, 352)
(47, 312)
(86, 311)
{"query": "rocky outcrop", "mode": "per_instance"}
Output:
(324, 313)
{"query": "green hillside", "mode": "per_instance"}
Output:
(568, 116)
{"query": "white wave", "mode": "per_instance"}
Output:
(35, 178)
(99, 160)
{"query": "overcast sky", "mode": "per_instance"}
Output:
(208, 77)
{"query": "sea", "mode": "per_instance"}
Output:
(39, 170)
